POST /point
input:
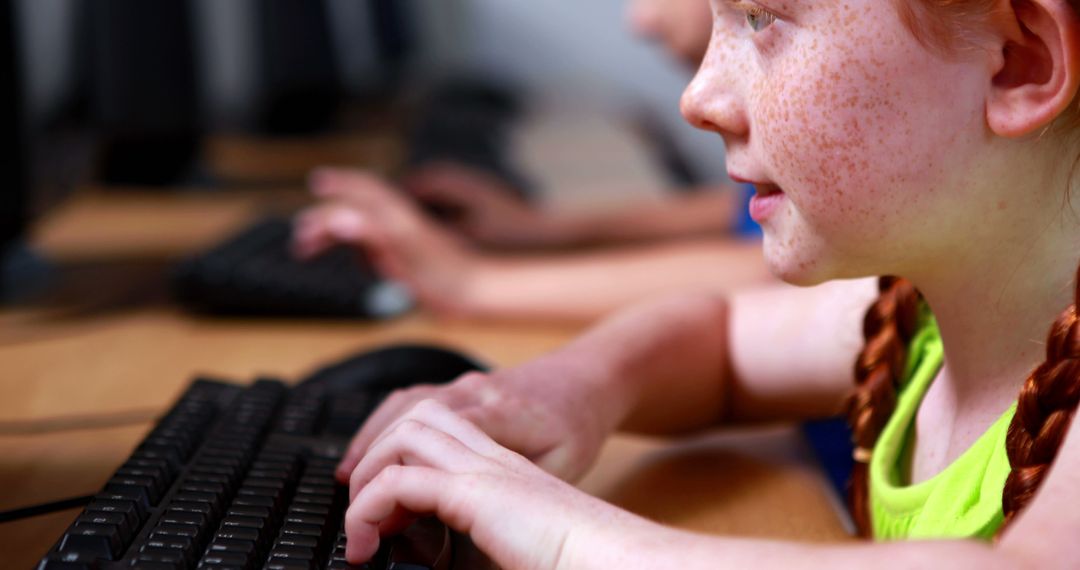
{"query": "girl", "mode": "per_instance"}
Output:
(932, 139)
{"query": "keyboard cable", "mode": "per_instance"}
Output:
(44, 508)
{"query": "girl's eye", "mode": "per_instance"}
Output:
(759, 18)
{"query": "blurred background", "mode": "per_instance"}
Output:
(127, 100)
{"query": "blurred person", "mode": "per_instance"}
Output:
(679, 241)
(450, 276)
(489, 213)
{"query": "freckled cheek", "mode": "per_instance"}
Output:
(837, 148)
(817, 152)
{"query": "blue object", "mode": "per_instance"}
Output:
(745, 226)
(831, 441)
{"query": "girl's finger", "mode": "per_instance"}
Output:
(413, 442)
(390, 409)
(396, 405)
(309, 237)
(354, 188)
(465, 393)
(319, 229)
(421, 490)
(438, 415)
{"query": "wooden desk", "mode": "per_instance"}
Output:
(138, 356)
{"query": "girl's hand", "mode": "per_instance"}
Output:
(363, 211)
(487, 211)
(433, 461)
(538, 410)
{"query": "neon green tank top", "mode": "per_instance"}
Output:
(964, 500)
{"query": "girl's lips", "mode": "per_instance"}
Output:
(768, 199)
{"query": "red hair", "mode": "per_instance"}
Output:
(1049, 397)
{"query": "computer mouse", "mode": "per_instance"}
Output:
(393, 367)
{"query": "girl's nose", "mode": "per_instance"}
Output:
(711, 102)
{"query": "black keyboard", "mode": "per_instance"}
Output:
(254, 273)
(241, 477)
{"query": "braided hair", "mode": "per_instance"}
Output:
(1044, 410)
(888, 328)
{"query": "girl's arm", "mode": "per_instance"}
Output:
(664, 367)
(751, 341)
(451, 278)
(587, 285)
(434, 461)
(706, 212)
(490, 214)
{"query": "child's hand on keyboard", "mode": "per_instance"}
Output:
(362, 210)
(538, 409)
(433, 461)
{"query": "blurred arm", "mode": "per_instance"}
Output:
(583, 286)
(489, 213)
(707, 212)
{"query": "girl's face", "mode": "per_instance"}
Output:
(857, 136)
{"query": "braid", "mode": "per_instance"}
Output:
(888, 328)
(1044, 411)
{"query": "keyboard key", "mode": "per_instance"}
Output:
(298, 540)
(238, 533)
(224, 545)
(157, 476)
(255, 501)
(249, 511)
(177, 530)
(127, 509)
(309, 509)
(118, 521)
(195, 520)
(166, 540)
(320, 500)
(293, 552)
(98, 539)
(286, 564)
(302, 529)
(260, 525)
(218, 559)
(205, 509)
(124, 500)
(314, 520)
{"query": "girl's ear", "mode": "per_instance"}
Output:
(1039, 67)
